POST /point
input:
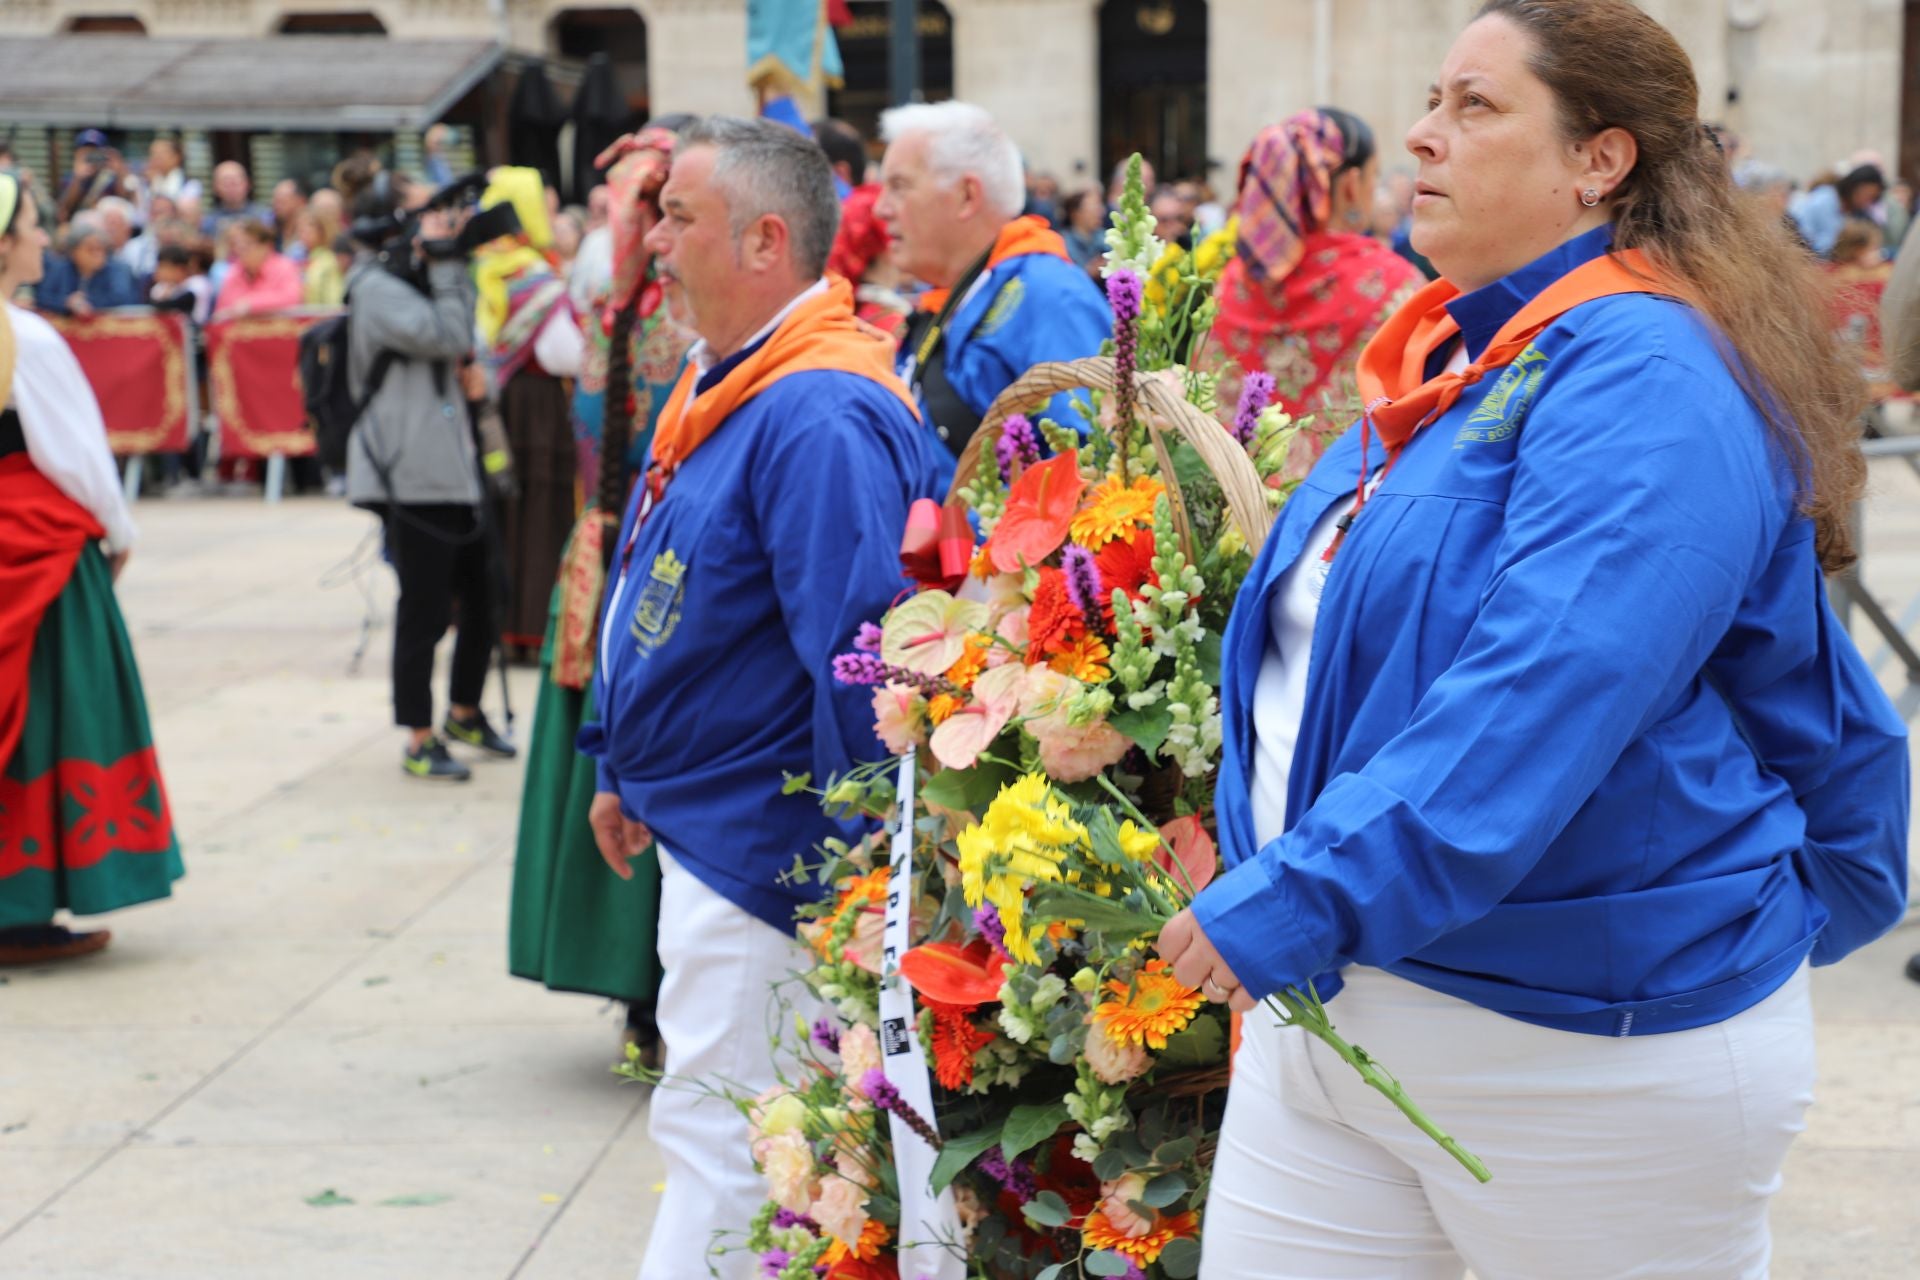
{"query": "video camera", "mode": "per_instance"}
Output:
(392, 235)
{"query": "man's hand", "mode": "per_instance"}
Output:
(1197, 964)
(77, 303)
(117, 562)
(620, 838)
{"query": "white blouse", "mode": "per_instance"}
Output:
(66, 437)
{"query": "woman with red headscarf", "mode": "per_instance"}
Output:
(1308, 284)
(860, 254)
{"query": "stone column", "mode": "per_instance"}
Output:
(1035, 64)
(697, 56)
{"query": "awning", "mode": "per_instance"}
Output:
(293, 83)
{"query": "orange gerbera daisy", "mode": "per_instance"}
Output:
(1055, 619)
(1085, 659)
(942, 706)
(1097, 1233)
(973, 660)
(955, 1040)
(857, 893)
(843, 1263)
(1115, 510)
(1148, 1010)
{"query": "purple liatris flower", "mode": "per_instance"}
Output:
(787, 1218)
(986, 922)
(1123, 295)
(867, 638)
(1083, 584)
(880, 1091)
(773, 1262)
(859, 668)
(826, 1035)
(1255, 395)
(1018, 440)
(1015, 1175)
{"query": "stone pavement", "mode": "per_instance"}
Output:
(311, 1063)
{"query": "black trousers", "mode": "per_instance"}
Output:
(440, 553)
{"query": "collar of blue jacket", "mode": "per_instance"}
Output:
(1481, 312)
(1582, 743)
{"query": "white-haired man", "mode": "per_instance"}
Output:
(766, 530)
(1004, 294)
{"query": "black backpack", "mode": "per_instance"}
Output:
(332, 411)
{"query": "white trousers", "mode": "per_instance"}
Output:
(718, 1019)
(1650, 1158)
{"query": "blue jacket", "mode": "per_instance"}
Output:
(1583, 743)
(1031, 309)
(776, 539)
(112, 285)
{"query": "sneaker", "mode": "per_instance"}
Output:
(430, 760)
(478, 733)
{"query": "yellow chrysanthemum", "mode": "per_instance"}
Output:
(1148, 1010)
(1211, 258)
(1022, 840)
(1115, 510)
(1136, 843)
(1084, 658)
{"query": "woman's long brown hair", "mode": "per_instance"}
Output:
(616, 420)
(1612, 66)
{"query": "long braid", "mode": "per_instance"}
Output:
(616, 430)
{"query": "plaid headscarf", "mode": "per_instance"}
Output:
(1286, 191)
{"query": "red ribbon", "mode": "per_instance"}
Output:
(937, 548)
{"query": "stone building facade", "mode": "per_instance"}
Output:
(1804, 82)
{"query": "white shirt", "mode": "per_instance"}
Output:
(66, 437)
(1280, 690)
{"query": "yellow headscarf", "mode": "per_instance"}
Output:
(9, 203)
(507, 257)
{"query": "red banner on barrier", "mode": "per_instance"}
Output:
(136, 363)
(254, 365)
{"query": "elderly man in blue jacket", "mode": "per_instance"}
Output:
(767, 529)
(1003, 296)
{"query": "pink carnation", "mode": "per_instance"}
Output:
(859, 1053)
(1068, 752)
(1114, 1063)
(1121, 1215)
(841, 1209)
(786, 1162)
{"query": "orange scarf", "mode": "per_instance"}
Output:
(820, 334)
(1400, 399)
(1018, 239)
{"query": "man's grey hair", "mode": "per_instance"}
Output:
(762, 168)
(964, 140)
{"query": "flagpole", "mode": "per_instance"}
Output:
(903, 52)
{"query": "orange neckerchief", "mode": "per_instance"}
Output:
(1018, 239)
(821, 333)
(1400, 399)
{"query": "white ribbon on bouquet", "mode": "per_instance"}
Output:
(929, 1224)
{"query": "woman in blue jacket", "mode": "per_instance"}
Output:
(1540, 736)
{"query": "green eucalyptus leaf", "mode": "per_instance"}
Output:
(966, 790)
(1047, 1210)
(1200, 1043)
(1107, 1262)
(1181, 1258)
(1149, 728)
(957, 1153)
(1029, 1126)
(1165, 1189)
(1169, 1155)
(1109, 1166)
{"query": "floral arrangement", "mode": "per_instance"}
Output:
(1055, 674)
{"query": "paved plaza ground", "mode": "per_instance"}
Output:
(311, 1063)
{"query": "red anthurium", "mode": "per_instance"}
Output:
(1194, 849)
(955, 975)
(1039, 511)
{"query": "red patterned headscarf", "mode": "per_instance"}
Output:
(1286, 191)
(636, 170)
(862, 236)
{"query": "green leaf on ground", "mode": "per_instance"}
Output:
(328, 1198)
(420, 1201)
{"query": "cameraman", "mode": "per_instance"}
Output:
(411, 460)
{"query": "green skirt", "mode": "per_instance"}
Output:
(84, 823)
(574, 925)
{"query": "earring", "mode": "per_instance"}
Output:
(1590, 197)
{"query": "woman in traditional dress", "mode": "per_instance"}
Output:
(84, 824)
(532, 344)
(574, 925)
(1543, 749)
(1309, 283)
(861, 255)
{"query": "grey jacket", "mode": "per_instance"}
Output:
(415, 431)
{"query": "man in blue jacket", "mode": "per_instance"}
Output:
(767, 529)
(1004, 295)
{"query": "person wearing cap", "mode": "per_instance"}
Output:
(1004, 294)
(98, 171)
